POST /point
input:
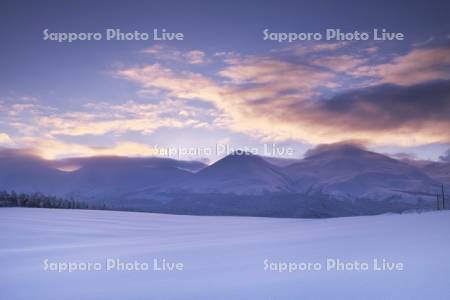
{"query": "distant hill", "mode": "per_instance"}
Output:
(349, 171)
(331, 180)
(239, 173)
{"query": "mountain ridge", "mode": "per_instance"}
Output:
(329, 174)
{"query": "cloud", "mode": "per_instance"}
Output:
(389, 107)
(418, 66)
(279, 98)
(101, 118)
(47, 129)
(403, 156)
(371, 49)
(279, 75)
(8, 152)
(5, 140)
(196, 57)
(55, 149)
(423, 42)
(339, 63)
(245, 86)
(313, 47)
(445, 157)
(383, 114)
(181, 84)
(345, 146)
(164, 53)
(318, 94)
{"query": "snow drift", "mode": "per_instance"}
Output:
(223, 257)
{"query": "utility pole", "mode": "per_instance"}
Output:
(443, 197)
(437, 201)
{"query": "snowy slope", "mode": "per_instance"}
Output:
(223, 256)
(29, 174)
(440, 171)
(240, 173)
(346, 170)
(333, 180)
(95, 178)
(114, 177)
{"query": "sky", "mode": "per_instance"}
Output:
(223, 87)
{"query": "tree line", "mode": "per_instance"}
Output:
(13, 199)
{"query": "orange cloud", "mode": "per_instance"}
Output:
(5, 140)
(194, 57)
(420, 65)
(279, 99)
(54, 149)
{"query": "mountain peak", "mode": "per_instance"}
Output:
(337, 149)
(240, 173)
(239, 159)
(241, 153)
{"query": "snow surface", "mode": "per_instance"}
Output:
(223, 256)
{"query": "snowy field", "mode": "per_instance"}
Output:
(221, 257)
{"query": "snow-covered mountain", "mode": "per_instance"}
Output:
(24, 172)
(280, 161)
(439, 171)
(113, 177)
(331, 180)
(92, 178)
(349, 171)
(239, 173)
